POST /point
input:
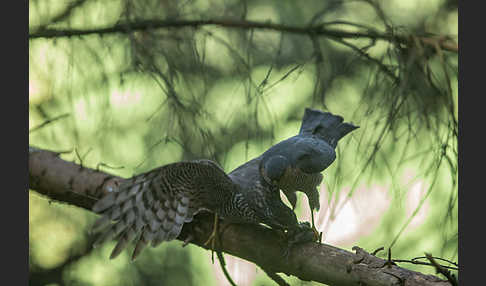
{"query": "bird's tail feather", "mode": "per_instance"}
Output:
(326, 125)
(133, 214)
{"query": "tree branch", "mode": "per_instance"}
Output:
(77, 185)
(316, 30)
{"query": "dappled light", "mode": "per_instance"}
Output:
(124, 87)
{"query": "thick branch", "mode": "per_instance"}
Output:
(66, 181)
(81, 186)
(318, 30)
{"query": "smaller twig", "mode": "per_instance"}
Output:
(43, 124)
(101, 164)
(347, 23)
(81, 158)
(438, 258)
(283, 77)
(265, 80)
(380, 13)
(414, 261)
(440, 269)
(364, 54)
(377, 250)
(67, 12)
(442, 42)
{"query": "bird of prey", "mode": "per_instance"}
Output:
(296, 163)
(153, 207)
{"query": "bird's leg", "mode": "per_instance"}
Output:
(303, 233)
(213, 236)
(317, 234)
(214, 232)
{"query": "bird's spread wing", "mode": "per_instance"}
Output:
(152, 207)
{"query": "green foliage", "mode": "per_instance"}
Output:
(137, 99)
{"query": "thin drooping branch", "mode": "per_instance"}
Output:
(66, 12)
(316, 30)
(442, 270)
(81, 186)
(47, 122)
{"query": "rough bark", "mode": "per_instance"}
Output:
(77, 185)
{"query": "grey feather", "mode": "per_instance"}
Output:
(154, 206)
(306, 155)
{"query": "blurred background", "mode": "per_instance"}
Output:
(127, 100)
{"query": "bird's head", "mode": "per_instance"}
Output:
(312, 159)
(273, 168)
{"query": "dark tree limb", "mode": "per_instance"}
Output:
(67, 181)
(71, 183)
(315, 30)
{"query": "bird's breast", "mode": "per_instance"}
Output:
(296, 180)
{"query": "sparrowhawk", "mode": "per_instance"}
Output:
(153, 207)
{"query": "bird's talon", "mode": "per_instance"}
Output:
(210, 241)
(188, 239)
(317, 234)
(212, 237)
